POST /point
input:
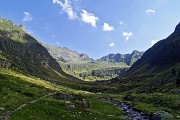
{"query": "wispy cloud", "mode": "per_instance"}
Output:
(107, 27)
(153, 42)
(89, 18)
(73, 11)
(66, 7)
(121, 22)
(57, 43)
(127, 35)
(111, 45)
(151, 11)
(27, 17)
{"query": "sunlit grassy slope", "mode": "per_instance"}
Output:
(17, 89)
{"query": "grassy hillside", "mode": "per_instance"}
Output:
(149, 93)
(17, 89)
(105, 70)
(33, 86)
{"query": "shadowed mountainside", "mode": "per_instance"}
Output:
(162, 56)
(21, 52)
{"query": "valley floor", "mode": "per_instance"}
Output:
(25, 98)
(29, 98)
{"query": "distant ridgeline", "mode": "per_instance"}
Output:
(86, 68)
(21, 52)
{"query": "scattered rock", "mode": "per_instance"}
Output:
(71, 106)
(68, 102)
(161, 115)
(63, 96)
(84, 103)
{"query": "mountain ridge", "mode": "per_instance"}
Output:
(161, 56)
(23, 53)
(81, 65)
(66, 55)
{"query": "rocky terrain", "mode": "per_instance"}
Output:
(81, 65)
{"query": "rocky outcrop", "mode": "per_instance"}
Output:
(108, 73)
(107, 67)
(129, 59)
(65, 55)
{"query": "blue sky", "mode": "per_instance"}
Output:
(95, 27)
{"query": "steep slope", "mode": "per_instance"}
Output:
(21, 52)
(66, 55)
(162, 56)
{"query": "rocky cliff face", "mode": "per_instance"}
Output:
(83, 66)
(66, 55)
(129, 59)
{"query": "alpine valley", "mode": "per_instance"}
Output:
(43, 82)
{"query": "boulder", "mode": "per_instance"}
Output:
(84, 103)
(161, 115)
(71, 106)
(1, 108)
(68, 102)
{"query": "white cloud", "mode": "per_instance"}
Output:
(121, 23)
(89, 18)
(107, 27)
(27, 16)
(153, 42)
(66, 7)
(57, 43)
(127, 35)
(111, 45)
(151, 11)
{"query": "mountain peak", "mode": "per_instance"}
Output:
(177, 29)
(135, 51)
(129, 59)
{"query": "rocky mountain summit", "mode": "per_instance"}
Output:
(66, 55)
(83, 66)
(129, 59)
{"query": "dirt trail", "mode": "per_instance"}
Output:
(6, 115)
